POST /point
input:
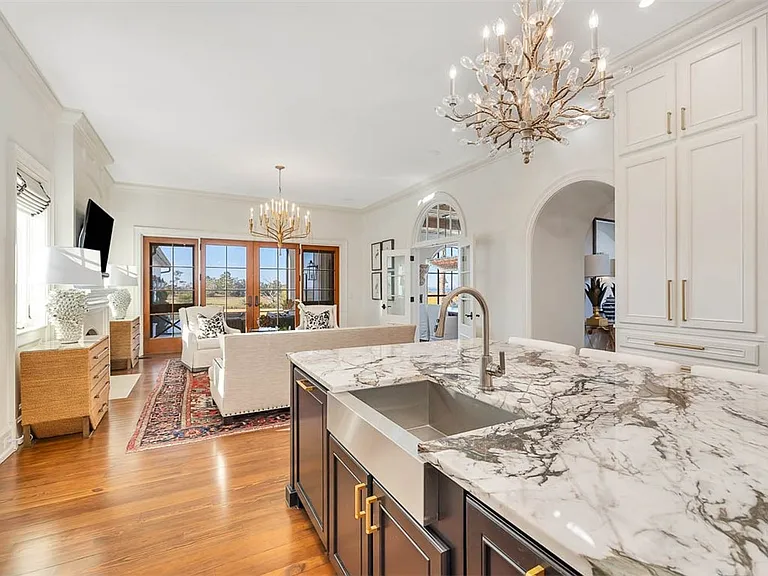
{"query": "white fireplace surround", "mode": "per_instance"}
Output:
(96, 320)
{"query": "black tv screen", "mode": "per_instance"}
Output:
(97, 232)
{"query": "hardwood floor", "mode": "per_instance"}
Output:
(74, 506)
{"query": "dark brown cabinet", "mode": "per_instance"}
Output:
(310, 450)
(400, 545)
(348, 485)
(495, 548)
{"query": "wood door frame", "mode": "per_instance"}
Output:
(336, 270)
(164, 345)
(251, 319)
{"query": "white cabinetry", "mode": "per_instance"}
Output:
(690, 191)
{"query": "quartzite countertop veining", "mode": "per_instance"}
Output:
(616, 469)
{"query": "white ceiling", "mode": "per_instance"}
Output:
(210, 95)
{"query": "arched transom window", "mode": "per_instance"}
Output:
(440, 222)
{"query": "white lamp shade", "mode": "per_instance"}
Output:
(121, 275)
(597, 265)
(63, 265)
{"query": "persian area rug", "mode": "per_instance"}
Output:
(180, 410)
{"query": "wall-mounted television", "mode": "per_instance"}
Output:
(96, 233)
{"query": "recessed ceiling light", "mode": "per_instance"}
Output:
(646, 3)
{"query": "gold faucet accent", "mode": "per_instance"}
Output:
(488, 368)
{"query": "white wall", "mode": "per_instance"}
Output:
(499, 201)
(140, 210)
(27, 118)
(557, 281)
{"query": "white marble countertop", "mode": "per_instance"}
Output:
(618, 471)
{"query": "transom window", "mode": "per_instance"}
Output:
(441, 221)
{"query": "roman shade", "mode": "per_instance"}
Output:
(30, 194)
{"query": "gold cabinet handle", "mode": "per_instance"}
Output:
(683, 290)
(669, 122)
(358, 501)
(370, 528)
(536, 571)
(682, 118)
(305, 385)
(101, 354)
(683, 346)
(669, 300)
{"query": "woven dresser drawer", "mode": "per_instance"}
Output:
(125, 336)
(98, 355)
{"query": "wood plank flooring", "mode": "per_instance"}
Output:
(74, 506)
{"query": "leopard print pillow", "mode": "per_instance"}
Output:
(321, 321)
(211, 327)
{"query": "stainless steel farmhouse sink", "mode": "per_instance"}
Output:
(382, 428)
(429, 411)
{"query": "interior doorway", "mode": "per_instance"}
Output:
(563, 234)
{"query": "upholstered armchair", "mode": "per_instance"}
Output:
(198, 353)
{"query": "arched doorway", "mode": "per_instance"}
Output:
(562, 235)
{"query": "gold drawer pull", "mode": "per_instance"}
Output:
(536, 571)
(682, 118)
(669, 122)
(358, 501)
(684, 346)
(370, 528)
(305, 385)
(683, 290)
(669, 299)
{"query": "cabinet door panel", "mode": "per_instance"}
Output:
(347, 541)
(716, 82)
(718, 235)
(646, 244)
(400, 545)
(311, 456)
(494, 548)
(645, 106)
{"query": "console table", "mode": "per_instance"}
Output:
(64, 387)
(125, 336)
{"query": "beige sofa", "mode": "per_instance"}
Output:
(253, 372)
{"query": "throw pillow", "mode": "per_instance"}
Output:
(321, 321)
(211, 327)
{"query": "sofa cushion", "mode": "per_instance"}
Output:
(315, 309)
(207, 343)
(321, 321)
(211, 327)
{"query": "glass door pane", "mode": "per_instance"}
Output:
(276, 287)
(318, 277)
(170, 286)
(396, 285)
(226, 281)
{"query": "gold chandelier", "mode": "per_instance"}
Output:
(522, 91)
(280, 220)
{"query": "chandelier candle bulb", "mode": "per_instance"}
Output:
(486, 36)
(452, 76)
(594, 22)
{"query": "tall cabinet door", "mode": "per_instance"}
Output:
(645, 106)
(646, 243)
(716, 82)
(718, 235)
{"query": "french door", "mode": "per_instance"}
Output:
(170, 284)
(258, 284)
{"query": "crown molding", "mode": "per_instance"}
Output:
(19, 60)
(683, 36)
(136, 188)
(93, 142)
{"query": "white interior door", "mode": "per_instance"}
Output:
(467, 314)
(716, 82)
(646, 237)
(718, 229)
(645, 107)
(398, 290)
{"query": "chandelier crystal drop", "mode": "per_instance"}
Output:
(280, 220)
(527, 84)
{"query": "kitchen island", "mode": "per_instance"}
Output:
(612, 469)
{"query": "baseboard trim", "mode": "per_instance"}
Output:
(7, 445)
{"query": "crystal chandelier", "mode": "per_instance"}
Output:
(525, 89)
(280, 220)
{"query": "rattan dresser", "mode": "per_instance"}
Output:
(64, 387)
(125, 338)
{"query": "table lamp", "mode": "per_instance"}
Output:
(119, 276)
